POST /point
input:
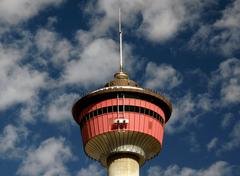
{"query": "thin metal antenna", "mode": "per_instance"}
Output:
(120, 37)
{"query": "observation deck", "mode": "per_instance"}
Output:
(122, 118)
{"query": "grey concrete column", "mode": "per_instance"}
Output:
(123, 165)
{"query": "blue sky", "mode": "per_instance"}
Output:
(52, 52)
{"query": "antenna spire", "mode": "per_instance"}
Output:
(120, 40)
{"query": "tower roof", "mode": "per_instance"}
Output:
(121, 79)
(122, 84)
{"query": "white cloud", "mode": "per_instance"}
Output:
(98, 61)
(223, 35)
(52, 47)
(228, 118)
(228, 75)
(220, 168)
(182, 115)
(48, 159)
(230, 17)
(15, 11)
(191, 139)
(212, 144)
(223, 90)
(234, 139)
(30, 110)
(10, 140)
(101, 25)
(162, 77)
(59, 109)
(160, 20)
(18, 84)
(205, 103)
(91, 170)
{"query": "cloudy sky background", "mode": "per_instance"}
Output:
(52, 52)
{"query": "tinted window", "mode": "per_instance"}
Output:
(121, 108)
(115, 108)
(109, 109)
(147, 111)
(99, 111)
(131, 108)
(104, 110)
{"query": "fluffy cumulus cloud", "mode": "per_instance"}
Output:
(223, 35)
(52, 47)
(229, 38)
(219, 168)
(47, 159)
(182, 116)
(234, 139)
(10, 140)
(228, 76)
(162, 77)
(15, 11)
(223, 90)
(98, 61)
(160, 20)
(227, 120)
(59, 109)
(18, 83)
(230, 72)
(92, 169)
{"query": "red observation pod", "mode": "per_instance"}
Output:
(122, 119)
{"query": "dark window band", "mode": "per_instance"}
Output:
(121, 108)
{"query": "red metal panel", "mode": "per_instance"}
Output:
(138, 102)
(114, 101)
(141, 117)
(100, 125)
(149, 125)
(98, 105)
(104, 103)
(159, 111)
(131, 101)
(137, 122)
(160, 133)
(88, 130)
(105, 122)
(109, 103)
(120, 101)
(110, 121)
(154, 124)
(151, 106)
(161, 136)
(156, 130)
(92, 128)
(127, 101)
(131, 121)
(145, 127)
(143, 103)
(83, 131)
(147, 105)
(96, 124)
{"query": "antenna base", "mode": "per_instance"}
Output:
(121, 75)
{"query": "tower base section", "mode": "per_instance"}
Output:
(123, 165)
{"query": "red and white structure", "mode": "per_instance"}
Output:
(122, 124)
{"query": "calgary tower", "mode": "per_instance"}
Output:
(122, 124)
